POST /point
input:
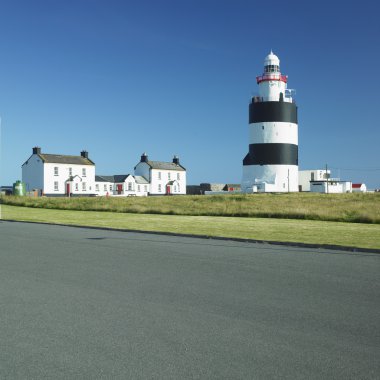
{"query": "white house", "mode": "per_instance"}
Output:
(59, 175)
(121, 185)
(306, 176)
(163, 177)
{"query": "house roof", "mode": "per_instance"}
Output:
(64, 159)
(117, 178)
(171, 183)
(141, 180)
(165, 165)
(356, 185)
(233, 185)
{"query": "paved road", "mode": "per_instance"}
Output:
(88, 304)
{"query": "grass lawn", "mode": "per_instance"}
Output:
(356, 208)
(290, 230)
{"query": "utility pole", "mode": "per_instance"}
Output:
(327, 181)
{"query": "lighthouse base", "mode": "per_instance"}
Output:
(269, 178)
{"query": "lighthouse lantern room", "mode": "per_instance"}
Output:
(271, 164)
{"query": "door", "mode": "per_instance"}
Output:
(119, 189)
(68, 189)
(167, 189)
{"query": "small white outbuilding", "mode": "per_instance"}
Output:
(359, 188)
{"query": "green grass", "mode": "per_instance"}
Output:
(305, 231)
(357, 208)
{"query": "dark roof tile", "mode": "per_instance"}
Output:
(63, 159)
(165, 165)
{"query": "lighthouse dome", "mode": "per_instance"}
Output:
(271, 59)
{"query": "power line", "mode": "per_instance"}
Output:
(358, 169)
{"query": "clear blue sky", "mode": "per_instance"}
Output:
(119, 78)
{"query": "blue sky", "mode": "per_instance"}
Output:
(119, 78)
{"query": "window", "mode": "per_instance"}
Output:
(96, 187)
(263, 127)
(84, 172)
(76, 187)
(83, 186)
(138, 188)
(105, 187)
(70, 172)
(129, 186)
(178, 176)
(178, 188)
(56, 186)
(159, 188)
(110, 187)
(175, 188)
(159, 175)
(272, 69)
(145, 188)
(169, 176)
(55, 170)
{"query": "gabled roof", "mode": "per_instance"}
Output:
(357, 185)
(104, 178)
(117, 178)
(141, 180)
(171, 183)
(233, 184)
(64, 159)
(165, 165)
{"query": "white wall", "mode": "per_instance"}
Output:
(63, 175)
(139, 190)
(273, 178)
(270, 90)
(333, 187)
(158, 186)
(142, 189)
(305, 176)
(105, 188)
(273, 132)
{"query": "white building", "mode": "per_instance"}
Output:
(359, 188)
(305, 176)
(59, 175)
(331, 186)
(163, 177)
(121, 185)
(271, 164)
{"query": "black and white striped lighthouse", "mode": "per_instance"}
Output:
(271, 164)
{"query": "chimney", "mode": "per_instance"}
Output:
(36, 150)
(176, 160)
(84, 153)
(144, 157)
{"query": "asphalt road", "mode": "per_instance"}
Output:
(77, 303)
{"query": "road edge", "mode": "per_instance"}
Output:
(243, 240)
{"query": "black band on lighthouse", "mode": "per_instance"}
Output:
(272, 154)
(272, 111)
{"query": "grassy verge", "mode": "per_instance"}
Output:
(304, 231)
(357, 208)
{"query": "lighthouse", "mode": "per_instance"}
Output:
(271, 164)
